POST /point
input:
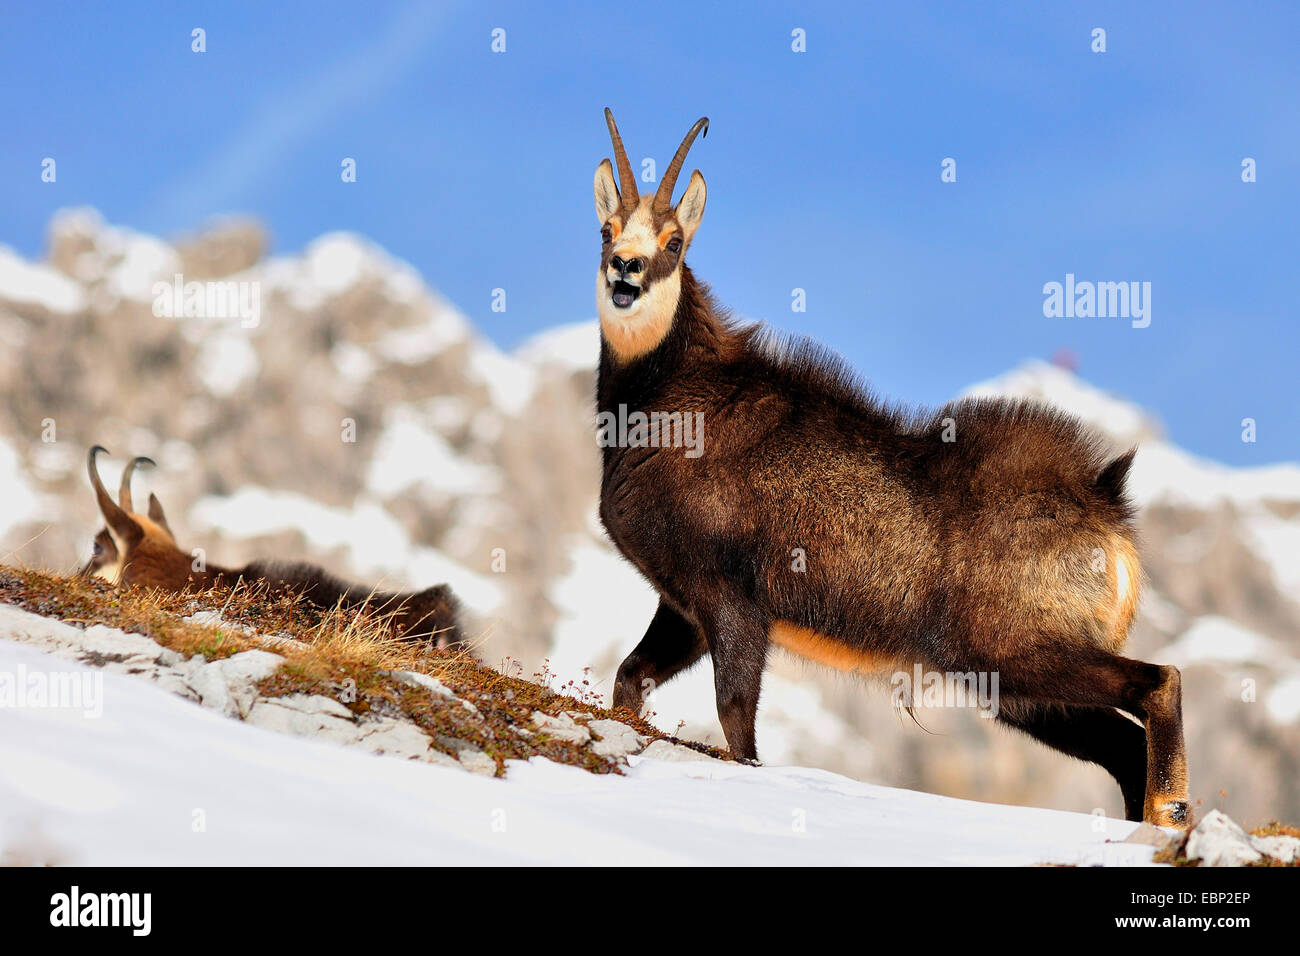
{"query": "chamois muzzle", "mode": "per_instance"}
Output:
(624, 276)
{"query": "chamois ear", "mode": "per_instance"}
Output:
(608, 200)
(690, 208)
(156, 515)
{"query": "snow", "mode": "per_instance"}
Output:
(1218, 640)
(1163, 472)
(226, 363)
(1283, 700)
(33, 284)
(510, 383)
(157, 780)
(21, 503)
(1277, 542)
(445, 327)
(336, 262)
(128, 262)
(1214, 638)
(573, 347)
(408, 453)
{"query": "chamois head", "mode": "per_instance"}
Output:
(133, 548)
(643, 242)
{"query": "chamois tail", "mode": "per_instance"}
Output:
(1112, 478)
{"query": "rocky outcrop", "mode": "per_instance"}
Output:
(230, 686)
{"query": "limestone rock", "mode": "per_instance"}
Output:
(563, 727)
(1218, 841)
(229, 686)
(667, 750)
(1283, 848)
(615, 738)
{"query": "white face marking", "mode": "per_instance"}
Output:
(634, 330)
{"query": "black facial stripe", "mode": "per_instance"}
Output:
(660, 265)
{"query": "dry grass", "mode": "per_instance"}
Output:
(337, 651)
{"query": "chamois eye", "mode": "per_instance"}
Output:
(605, 234)
(674, 244)
(99, 549)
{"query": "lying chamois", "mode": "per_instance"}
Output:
(135, 549)
(989, 537)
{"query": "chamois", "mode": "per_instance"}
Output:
(136, 549)
(991, 536)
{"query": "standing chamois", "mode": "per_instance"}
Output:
(136, 549)
(990, 537)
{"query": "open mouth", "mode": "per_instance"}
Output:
(624, 293)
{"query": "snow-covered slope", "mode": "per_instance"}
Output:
(157, 780)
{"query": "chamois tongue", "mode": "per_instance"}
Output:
(624, 294)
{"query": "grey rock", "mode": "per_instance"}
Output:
(1149, 834)
(118, 646)
(615, 738)
(470, 756)
(1218, 841)
(229, 686)
(395, 737)
(561, 728)
(667, 750)
(416, 679)
(479, 763)
(305, 716)
(1283, 848)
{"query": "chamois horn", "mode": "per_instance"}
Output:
(118, 520)
(124, 490)
(627, 179)
(664, 195)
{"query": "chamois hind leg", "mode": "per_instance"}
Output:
(737, 636)
(1100, 735)
(670, 645)
(1151, 692)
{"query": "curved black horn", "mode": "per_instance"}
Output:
(118, 520)
(124, 489)
(664, 195)
(627, 179)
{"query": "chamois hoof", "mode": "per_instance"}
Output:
(1169, 813)
(748, 761)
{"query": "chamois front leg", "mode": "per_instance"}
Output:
(670, 645)
(737, 635)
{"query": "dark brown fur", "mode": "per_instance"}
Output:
(153, 560)
(975, 554)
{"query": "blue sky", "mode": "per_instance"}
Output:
(823, 167)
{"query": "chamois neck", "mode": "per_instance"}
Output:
(699, 335)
